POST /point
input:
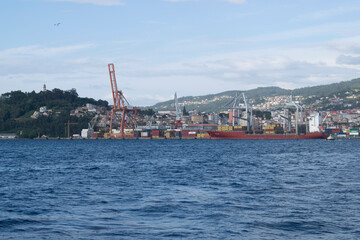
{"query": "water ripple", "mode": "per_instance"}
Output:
(179, 189)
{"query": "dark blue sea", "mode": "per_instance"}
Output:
(180, 189)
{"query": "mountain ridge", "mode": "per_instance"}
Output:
(215, 102)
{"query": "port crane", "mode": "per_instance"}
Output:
(91, 126)
(179, 114)
(68, 128)
(249, 114)
(234, 106)
(325, 120)
(292, 105)
(237, 108)
(92, 122)
(177, 109)
(122, 112)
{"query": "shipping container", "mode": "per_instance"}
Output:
(76, 136)
(333, 130)
(137, 133)
(340, 134)
(155, 133)
(191, 133)
(327, 130)
(144, 134)
(354, 132)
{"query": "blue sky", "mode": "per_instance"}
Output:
(194, 47)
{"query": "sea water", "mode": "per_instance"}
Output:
(180, 189)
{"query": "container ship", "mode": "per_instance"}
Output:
(243, 135)
(243, 127)
(272, 131)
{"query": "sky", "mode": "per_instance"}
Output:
(192, 47)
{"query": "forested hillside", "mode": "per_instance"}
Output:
(327, 90)
(16, 107)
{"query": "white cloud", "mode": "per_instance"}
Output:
(32, 51)
(340, 29)
(95, 2)
(349, 45)
(327, 13)
(145, 81)
(350, 60)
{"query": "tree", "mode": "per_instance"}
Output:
(147, 112)
(185, 113)
(6, 116)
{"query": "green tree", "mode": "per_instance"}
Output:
(185, 113)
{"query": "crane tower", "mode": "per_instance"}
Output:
(236, 109)
(179, 114)
(122, 112)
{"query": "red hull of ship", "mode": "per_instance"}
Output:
(242, 135)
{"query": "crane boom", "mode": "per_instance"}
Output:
(114, 88)
(121, 109)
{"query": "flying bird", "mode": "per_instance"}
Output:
(56, 24)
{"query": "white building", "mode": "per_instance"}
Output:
(43, 109)
(87, 133)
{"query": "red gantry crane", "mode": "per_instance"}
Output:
(122, 112)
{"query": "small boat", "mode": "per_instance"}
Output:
(330, 137)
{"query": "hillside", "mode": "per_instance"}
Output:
(329, 89)
(216, 102)
(16, 107)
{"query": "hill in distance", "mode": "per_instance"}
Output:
(216, 102)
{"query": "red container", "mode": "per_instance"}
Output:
(155, 133)
(335, 130)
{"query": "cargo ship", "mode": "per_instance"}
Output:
(271, 131)
(243, 135)
(292, 111)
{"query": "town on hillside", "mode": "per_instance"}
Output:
(267, 116)
(63, 114)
